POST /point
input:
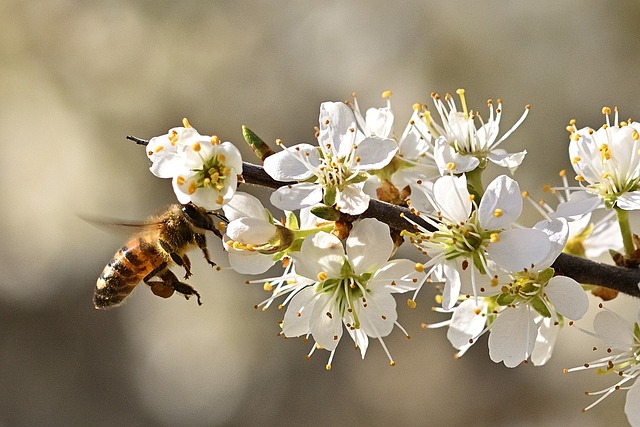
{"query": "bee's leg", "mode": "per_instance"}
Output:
(181, 260)
(169, 283)
(159, 288)
(201, 241)
(184, 262)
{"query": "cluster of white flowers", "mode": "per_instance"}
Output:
(494, 273)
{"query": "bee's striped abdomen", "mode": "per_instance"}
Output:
(132, 263)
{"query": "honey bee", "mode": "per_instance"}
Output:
(161, 241)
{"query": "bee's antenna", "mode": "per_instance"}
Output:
(137, 140)
(218, 215)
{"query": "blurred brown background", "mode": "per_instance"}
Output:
(77, 76)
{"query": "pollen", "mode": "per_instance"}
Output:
(494, 238)
(215, 140)
(416, 106)
(411, 303)
(219, 200)
(419, 267)
(635, 135)
(196, 147)
(451, 166)
(606, 110)
(497, 212)
(477, 310)
(387, 94)
(193, 186)
(267, 287)
(322, 276)
(576, 160)
(158, 149)
(180, 180)
(525, 194)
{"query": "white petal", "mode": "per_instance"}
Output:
(352, 200)
(296, 196)
(397, 276)
(374, 153)
(298, 314)
(378, 314)
(579, 204)
(507, 160)
(337, 128)
(545, 342)
(613, 330)
(518, 249)
(380, 121)
(326, 322)
(513, 336)
(632, 404)
(292, 164)
(357, 335)
(446, 157)
(451, 286)
(567, 296)
(250, 230)
(467, 322)
(502, 195)
(322, 253)
(558, 231)
(629, 201)
(250, 262)
(369, 246)
(244, 205)
(452, 197)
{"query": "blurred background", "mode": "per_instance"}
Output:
(76, 77)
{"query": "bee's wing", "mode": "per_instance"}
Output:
(121, 227)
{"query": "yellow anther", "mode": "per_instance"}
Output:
(497, 212)
(635, 135)
(193, 186)
(605, 152)
(606, 111)
(416, 106)
(494, 281)
(328, 367)
(571, 128)
(575, 136)
(563, 172)
(221, 158)
(472, 197)
(572, 122)
(525, 194)
(219, 200)
(494, 238)
(185, 123)
(322, 276)
(392, 363)
(159, 148)
(215, 140)
(575, 160)
(411, 303)
(477, 310)
(546, 188)
(180, 180)
(451, 166)
(267, 287)
(579, 178)
(386, 94)
(251, 247)
(438, 299)
(419, 267)
(237, 245)
(196, 147)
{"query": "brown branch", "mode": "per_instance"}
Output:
(625, 280)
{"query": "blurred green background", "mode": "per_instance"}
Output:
(76, 77)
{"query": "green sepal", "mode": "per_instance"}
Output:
(545, 275)
(329, 196)
(505, 299)
(360, 177)
(346, 270)
(292, 221)
(540, 307)
(259, 147)
(326, 212)
(636, 331)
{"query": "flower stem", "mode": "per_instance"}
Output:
(474, 179)
(625, 230)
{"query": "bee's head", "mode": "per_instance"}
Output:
(200, 217)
